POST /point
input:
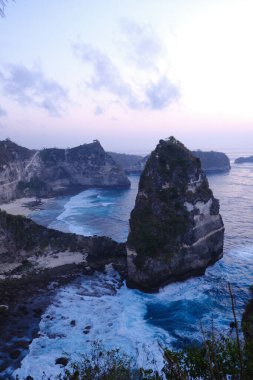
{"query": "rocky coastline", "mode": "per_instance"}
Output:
(52, 171)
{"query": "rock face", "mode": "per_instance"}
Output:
(213, 162)
(50, 172)
(27, 248)
(131, 163)
(176, 230)
(242, 160)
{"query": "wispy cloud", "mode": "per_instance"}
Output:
(161, 94)
(154, 95)
(99, 111)
(3, 112)
(30, 87)
(141, 45)
(106, 75)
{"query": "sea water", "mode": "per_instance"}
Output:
(138, 323)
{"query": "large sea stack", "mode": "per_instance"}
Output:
(176, 230)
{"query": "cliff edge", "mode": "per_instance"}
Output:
(53, 171)
(176, 230)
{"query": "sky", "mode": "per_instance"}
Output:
(127, 73)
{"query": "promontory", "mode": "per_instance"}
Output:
(52, 171)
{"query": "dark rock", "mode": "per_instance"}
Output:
(15, 354)
(242, 160)
(23, 344)
(175, 227)
(3, 366)
(73, 323)
(29, 378)
(86, 329)
(37, 312)
(62, 361)
(4, 309)
(131, 163)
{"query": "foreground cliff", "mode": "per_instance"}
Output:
(27, 248)
(176, 230)
(49, 172)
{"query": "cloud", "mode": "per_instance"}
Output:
(161, 94)
(106, 76)
(30, 87)
(99, 111)
(141, 45)
(2, 112)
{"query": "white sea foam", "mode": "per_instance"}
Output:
(114, 315)
(121, 317)
(76, 207)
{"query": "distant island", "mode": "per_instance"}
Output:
(212, 162)
(242, 160)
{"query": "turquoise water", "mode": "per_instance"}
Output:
(130, 319)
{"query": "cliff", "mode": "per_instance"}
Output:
(213, 162)
(28, 248)
(176, 230)
(242, 160)
(50, 172)
(131, 163)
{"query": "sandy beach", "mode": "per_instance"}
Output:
(24, 206)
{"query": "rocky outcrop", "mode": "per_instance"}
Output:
(176, 230)
(242, 160)
(27, 248)
(131, 163)
(213, 162)
(51, 172)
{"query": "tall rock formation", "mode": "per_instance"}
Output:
(176, 230)
(49, 172)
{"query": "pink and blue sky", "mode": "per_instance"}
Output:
(127, 73)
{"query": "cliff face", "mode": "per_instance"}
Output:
(131, 163)
(49, 172)
(27, 248)
(176, 230)
(213, 162)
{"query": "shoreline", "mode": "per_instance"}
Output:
(25, 206)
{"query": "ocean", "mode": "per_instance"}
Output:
(139, 324)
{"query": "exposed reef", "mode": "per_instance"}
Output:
(50, 172)
(176, 230)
